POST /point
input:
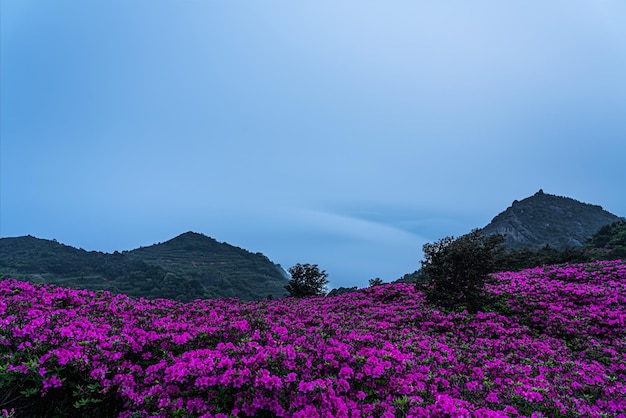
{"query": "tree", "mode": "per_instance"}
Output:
(609, 243)
(306, 280)
(457, 269)
(376, 282)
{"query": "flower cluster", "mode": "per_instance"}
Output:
(556, 349)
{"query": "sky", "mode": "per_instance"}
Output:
(340, 133)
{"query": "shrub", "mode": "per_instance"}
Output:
(457, 269)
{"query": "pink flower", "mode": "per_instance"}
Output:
(473, 385)
(346, 372)
(52, 382)
(510, 410)
(492, 397)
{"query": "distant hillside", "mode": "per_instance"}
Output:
(609, 243)
(222, 268)
(574, 232)
(544, 219)
(190, 266)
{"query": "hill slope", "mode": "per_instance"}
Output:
(541, 219)
(190, 266)
(554, 346)
(222, 268)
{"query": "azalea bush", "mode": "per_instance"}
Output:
(554, 346)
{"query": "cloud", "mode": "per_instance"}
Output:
(353, 227)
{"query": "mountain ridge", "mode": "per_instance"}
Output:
(545, 219)
(195, 266)
(187, 267)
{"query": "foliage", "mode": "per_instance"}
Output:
(415, 277)
(609, 243)
(342, 290)
(376, 282)
(515, 260)
(383, 351)
(306, 280)
(457, 269)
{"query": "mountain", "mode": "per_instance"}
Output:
(544, 229)
(190, 266)
(222, 268)
(545, 219)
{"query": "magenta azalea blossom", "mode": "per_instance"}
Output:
(555, 346)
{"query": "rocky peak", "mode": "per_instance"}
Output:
(545, 219)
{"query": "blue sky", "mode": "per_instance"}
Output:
(344, 134)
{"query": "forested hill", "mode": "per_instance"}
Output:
(224, 269)
(190, 266)
(545, 219)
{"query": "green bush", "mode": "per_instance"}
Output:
(457, 269)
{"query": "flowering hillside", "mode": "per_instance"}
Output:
(555, 348)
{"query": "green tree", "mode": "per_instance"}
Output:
(306, 280)
(609, 243)
(457, 269)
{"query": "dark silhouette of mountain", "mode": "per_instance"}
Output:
(190, 266)
(545, 219)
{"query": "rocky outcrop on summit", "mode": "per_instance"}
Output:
(545, 219)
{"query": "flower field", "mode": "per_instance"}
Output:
(554, 346)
